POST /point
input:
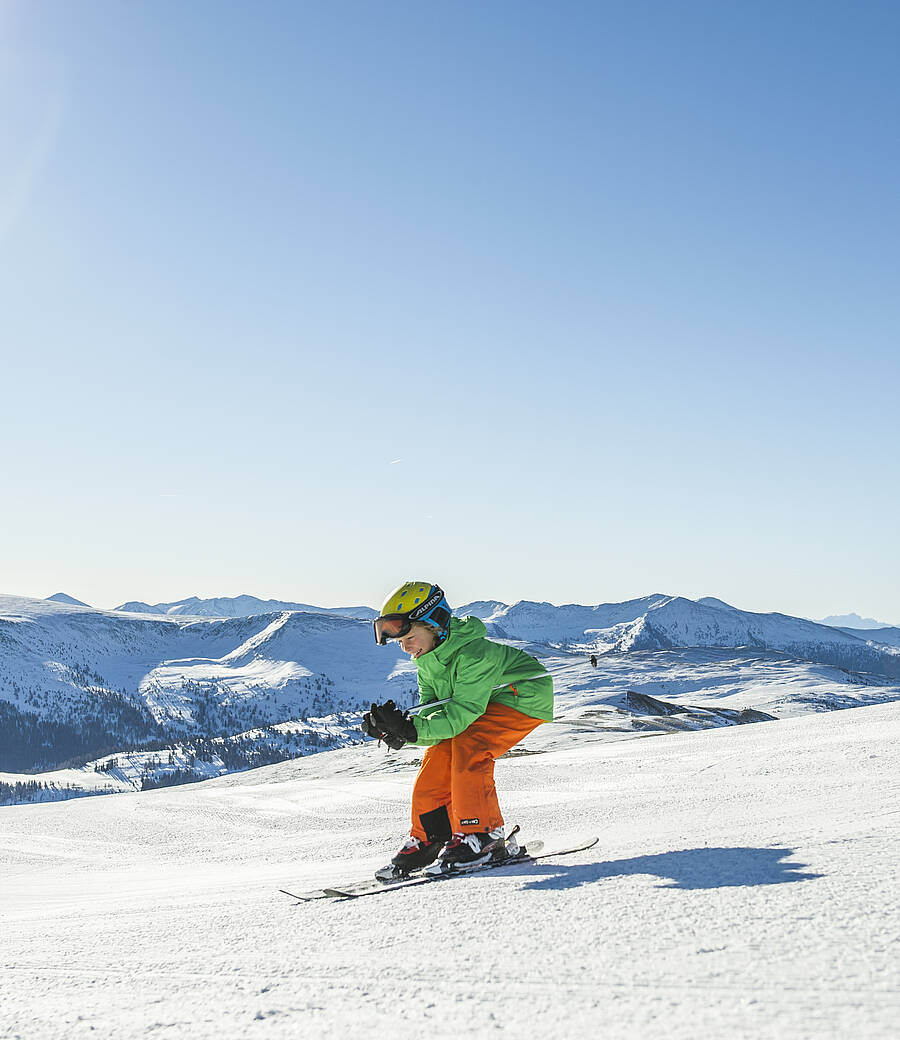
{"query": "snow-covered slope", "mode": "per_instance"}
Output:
(701, 688)
(744, 886)
(81, 682)
(238, 606)
(886, 636)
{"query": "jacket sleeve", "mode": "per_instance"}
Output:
(426, 693)
(474, 678)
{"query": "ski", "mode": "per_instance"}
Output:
(371, 886)
(376, 883)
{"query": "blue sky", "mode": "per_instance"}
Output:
(616, 283)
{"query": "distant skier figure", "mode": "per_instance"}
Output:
(593, 660)
(496, 695)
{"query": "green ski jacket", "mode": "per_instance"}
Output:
(466, 667)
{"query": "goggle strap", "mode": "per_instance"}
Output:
(441, 617)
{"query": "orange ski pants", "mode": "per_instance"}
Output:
(459, 772)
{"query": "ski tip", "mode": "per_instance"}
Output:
(305, 897)
(294, 895)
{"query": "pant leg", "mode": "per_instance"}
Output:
(474, 804)
(432, 787)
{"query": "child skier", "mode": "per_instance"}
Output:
(495, 696)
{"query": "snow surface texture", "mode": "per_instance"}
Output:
(744, 886)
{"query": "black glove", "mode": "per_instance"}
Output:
(369, 728)
(393, 741)
(389, 723)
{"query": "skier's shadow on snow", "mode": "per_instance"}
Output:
(685, 869)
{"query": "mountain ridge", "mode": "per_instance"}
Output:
(661, 622)
(64, 597)
(236, 606)
(852, 621)
(78, 683)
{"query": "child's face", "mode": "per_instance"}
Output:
(418, 640)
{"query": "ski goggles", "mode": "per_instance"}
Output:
(391, 626)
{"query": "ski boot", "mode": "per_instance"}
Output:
(471, 850)
(413, 855)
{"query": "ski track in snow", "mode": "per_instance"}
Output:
(744, 886)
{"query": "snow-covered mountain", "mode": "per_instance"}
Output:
(63, 597)
(852, 621)
(481, 608)
(145, 698)
(887, 636)
(237, 606)
(546, 623)
(79, 682)
(661, 622)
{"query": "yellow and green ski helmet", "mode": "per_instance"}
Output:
(413, 601)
